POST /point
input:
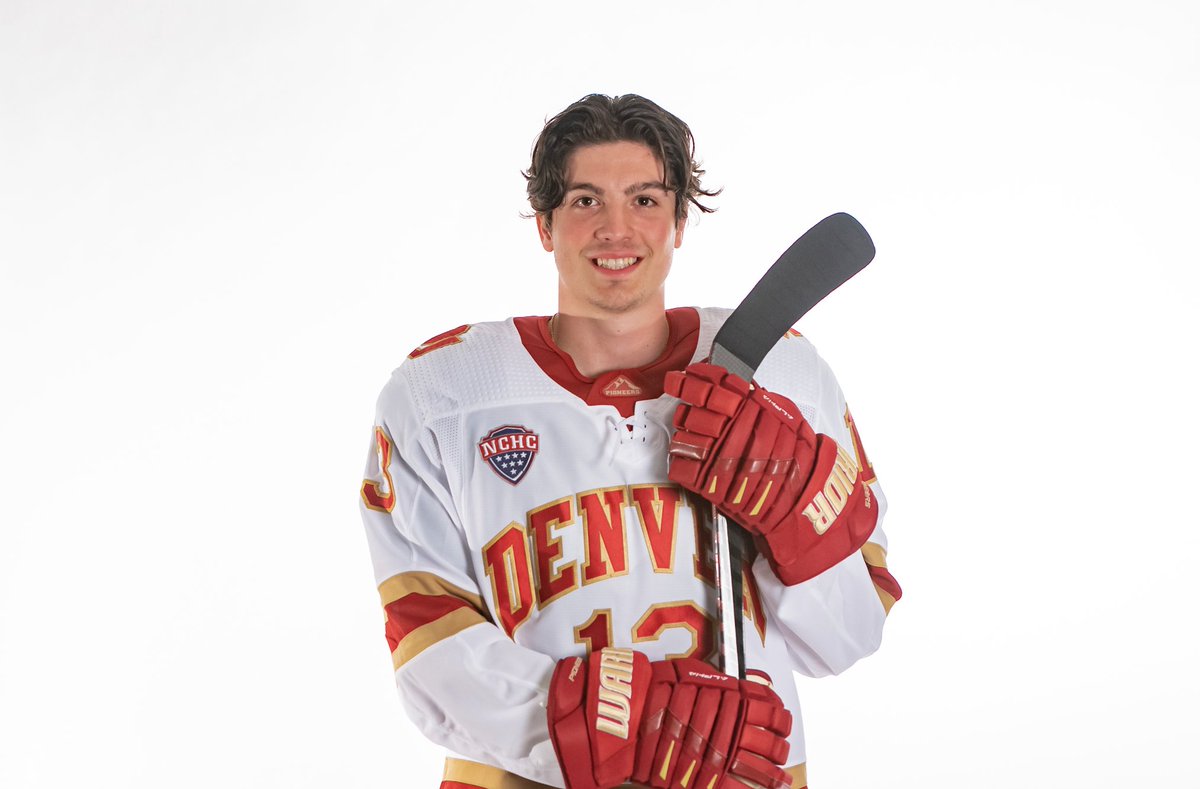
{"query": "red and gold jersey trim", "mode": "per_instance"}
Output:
(462, 774)
(885, 584)
(422, 609)
(618, 388)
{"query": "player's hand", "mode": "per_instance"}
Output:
(616, 717)
(752, 454)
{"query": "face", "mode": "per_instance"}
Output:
(615, 232)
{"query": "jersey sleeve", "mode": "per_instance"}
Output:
(461, 680)
(836, 618)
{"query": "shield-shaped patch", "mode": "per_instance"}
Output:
(509, 450)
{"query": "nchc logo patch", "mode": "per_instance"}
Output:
(509, 450)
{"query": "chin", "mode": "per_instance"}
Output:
(620, 306)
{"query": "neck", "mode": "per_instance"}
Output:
(599, 345)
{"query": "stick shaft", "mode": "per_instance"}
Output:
(731, 654)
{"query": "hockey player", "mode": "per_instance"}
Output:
(534, 492)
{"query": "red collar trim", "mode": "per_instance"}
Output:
(621, 389)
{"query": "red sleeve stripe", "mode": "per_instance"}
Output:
(889, 591)
(885, 583)
(422, 609)
(414, 611)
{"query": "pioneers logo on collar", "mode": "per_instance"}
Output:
(509, 450)
(621, 386)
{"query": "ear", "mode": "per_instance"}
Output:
(543, 227)
(679, 226)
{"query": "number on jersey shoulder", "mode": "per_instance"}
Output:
(380, 494)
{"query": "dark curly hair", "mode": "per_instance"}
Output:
(597, 118)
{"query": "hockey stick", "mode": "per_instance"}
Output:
(831, 252)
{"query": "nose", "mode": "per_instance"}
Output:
(614, 224)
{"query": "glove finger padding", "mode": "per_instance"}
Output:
(765, 483)
(708, 385)
(753, 455)
(744, 458)
(714, 726)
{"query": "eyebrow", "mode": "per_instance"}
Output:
(642, 187)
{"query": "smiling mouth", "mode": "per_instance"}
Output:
(615, 264)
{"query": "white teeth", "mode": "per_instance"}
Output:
(615, 264)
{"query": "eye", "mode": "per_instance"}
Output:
(645, 201)
(585, 201)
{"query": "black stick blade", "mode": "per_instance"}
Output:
(831, 252)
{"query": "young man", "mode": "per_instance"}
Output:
(535, 493)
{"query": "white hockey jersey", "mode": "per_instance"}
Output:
(518, 512)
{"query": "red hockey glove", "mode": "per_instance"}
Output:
(752, 454)
(616, 717)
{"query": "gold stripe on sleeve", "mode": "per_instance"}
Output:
(485, 776)
(887, 600)
(875, 555)
(799, 775)
(426, 636)
(403, 584)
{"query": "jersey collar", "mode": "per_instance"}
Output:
(623, 388)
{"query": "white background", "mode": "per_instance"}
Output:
(223, 223)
